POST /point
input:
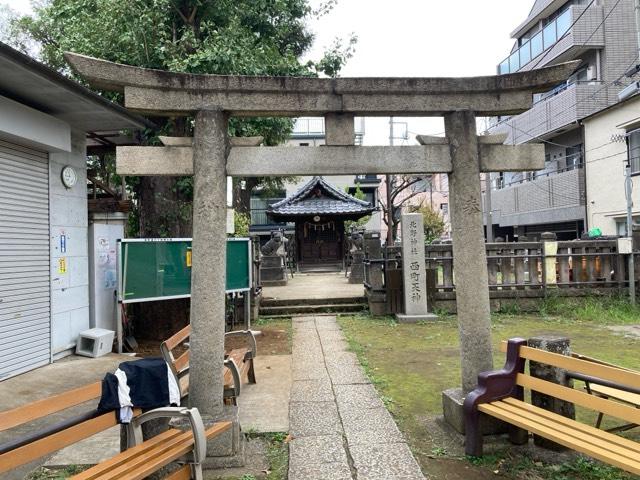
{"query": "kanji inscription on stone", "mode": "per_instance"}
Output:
(413, 265)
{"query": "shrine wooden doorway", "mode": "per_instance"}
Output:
(320, 241)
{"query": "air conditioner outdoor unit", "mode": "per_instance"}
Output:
(629, 91)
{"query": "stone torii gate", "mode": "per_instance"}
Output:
(212, 99)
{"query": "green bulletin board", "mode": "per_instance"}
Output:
(160, 269)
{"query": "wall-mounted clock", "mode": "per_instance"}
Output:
(69, 176)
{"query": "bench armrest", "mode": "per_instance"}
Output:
(235, 373)
(134, 429)
(498, 384)
(251, 340)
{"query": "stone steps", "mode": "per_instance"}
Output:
(302, 309)
(282, 302)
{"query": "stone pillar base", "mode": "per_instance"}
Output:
(226, 450)
(427, 317)
(452, 407)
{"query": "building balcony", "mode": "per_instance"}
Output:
(554, 112)
(559, 42)
(313, 127)
(551, 197)
(367, 179)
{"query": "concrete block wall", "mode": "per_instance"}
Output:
(621, 44)
(68, 218)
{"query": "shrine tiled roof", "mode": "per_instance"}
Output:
(319, 197)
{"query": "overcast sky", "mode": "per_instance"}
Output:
(413, 38)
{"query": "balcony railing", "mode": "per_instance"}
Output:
(314, 127)
(538, 44)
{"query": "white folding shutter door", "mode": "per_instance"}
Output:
(25, 325)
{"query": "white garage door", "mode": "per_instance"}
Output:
(25, 326)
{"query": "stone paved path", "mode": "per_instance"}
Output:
(340, 428)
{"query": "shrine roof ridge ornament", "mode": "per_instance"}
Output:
(169, 93)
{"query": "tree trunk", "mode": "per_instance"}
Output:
(242, 196)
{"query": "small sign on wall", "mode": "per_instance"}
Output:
(62, 265)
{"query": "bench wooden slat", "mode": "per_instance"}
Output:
(628, 397)
(170, 449)
(153, 464)
(42, 408)
(547, 430)
(592, 402)
(613, 374)
(56, 441)
(140, 461)
(580, 427)
(182, 362)
(183, 473)
(127, 455)
(177, 338)
(569, 430)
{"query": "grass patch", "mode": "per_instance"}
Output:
(411, 365)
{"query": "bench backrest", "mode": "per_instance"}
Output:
(20, 451)
(582, 369)
(179, 366)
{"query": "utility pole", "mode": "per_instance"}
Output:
(628, 188)
(389, 181)
(487, 206)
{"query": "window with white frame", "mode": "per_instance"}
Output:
(634, 151)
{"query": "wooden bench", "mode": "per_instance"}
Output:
(611, 391)
(238, 363)
(139, 460)
(500, 394)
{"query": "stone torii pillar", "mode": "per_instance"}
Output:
(461, 154)
(210, 148)
(469, 252)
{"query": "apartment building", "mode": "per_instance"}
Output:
(613, 142)
(602, 35)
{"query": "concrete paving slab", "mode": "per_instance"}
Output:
(369, 426)
(342, 375)
(359, 396)
(309, 371)
(312, 391)
(323, 471)
(98, 448)
(334, 346)
(315, 286)
(264, 406)
(341, 359)
(313, 419)
(392, 461)
(317, 450)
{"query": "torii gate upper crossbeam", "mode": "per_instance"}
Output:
(170, 93)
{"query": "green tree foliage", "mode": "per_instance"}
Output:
(361, 222)
(240, 37)
(434, 225)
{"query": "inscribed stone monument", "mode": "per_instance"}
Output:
(414, 272)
